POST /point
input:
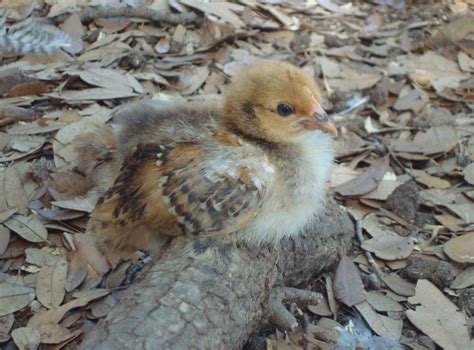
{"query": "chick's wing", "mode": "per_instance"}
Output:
(171, 190)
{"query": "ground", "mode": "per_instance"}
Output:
(397, 78)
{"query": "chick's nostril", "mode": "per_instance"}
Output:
(321, 115)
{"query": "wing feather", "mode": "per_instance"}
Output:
(167, 190)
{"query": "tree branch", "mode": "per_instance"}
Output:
(214, 293)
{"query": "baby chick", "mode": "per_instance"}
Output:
(257, 165)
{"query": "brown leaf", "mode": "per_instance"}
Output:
(29, 88)
(322, 309)
(56, 315)
(102, 307)
(383, 303)
(93, 94)
(27, 227)
(399, 286)
(367, 181)
(26, 338)
(4, 239)
(455, 202)
(431, 181)
(224, 10)
(465, 279)
(79, 204)
(116, 277)
(77, 272)
(461, 248)
(53, 333)
(6, 324)
(73, 26)
(469, 173)
(382, 325)
(15, 249)
(40, 257)
(389, 247)
(12, 114)
(192, 80)
(348, 287)
(430, 69)
(438, 318)
(86, 246)
(50, 284)
(14, 297)
(13, 190)
(6, 214)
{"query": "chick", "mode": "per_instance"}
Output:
(256, 166)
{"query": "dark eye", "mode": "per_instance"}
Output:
(284, 110)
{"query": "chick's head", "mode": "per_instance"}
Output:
(276, 102)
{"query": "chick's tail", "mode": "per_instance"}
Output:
(97, 156)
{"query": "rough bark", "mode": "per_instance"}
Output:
(214, 295)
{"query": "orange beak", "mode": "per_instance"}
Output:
(320, 121)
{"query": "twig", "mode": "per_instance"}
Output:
(367, 254)
(282, 318)
(394, 129)
(395, 158)
(306, 335)
(91, 13)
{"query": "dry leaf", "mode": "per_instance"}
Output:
(367, 181)
(4, 239)
(224, 10)
(93, 94)
(6, 324)
(192, 80)
(26, 338)
(461, 248)
(40, 257)
(50, 284)
(73, 26)
(27, 227)
(102, 307)
(384, 189)
(389, 247)
(53, 333)
(14, 297)
(430, 181)
(382, 325)
(56, 315)
(12, 189)
(465, 279)
(455, 202)
(116, 277)
(399, 286)
(438, 318)
(322, 309)
(348, 287)
(469, 173)
(77, 272)
(86, 246)
(383, 303)
(431, 69)
(80, 204)
(372, 225)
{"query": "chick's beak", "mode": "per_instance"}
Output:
(320, 121)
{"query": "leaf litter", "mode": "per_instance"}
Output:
(405, 158)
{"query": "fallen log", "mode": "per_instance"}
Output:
(214, 294)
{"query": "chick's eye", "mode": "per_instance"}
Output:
(284, 110)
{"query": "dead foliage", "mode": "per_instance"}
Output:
(405, 168)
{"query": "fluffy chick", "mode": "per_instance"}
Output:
(258, 164)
